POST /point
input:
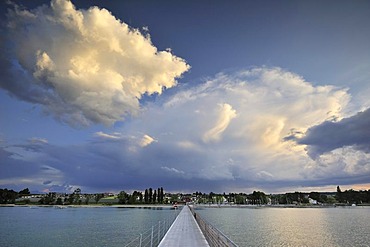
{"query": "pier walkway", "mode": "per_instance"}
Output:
(184, 232)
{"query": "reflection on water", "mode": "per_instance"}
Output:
(48, 226)
(292, 226)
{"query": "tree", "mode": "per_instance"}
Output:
(150, 195)
(258, 197)
(87, 199)
(154, 197)
(71, 198)
(123, 197)
(240, 198)
(77, 196)
(48, 199)
(162, 195)
(140, 197)
(315, 196)
(26, 191)
(59, 201)
(339, 195)
(210, 197)
(146, 196)
(159, 195)
(7, 196)
(135, 197)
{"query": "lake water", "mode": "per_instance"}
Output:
(109, 226)
(340, 226)
(48, 226)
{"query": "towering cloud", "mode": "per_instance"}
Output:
(83, 66)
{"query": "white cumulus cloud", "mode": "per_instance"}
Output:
(83, 66)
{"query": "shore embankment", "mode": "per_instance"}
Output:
(92, 206)
(275, 205)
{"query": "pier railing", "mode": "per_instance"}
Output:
(214, 237)
(153, 236)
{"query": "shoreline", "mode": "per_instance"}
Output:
(92, 206)
(275, 206)
(193, 205)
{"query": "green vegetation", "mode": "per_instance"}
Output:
(157, 196)
(8, 196)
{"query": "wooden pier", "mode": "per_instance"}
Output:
(184, 232)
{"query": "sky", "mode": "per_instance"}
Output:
(186, 95)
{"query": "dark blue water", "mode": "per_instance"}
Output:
(341, 226)
(48, 226)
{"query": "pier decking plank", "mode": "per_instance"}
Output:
(184, 232)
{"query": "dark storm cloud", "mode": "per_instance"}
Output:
(353, 131)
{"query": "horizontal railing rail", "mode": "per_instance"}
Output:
(214, 237)
(153, 236)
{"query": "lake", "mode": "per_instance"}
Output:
(111, 226)
(102, 226)
(340, 226)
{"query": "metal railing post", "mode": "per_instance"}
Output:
(159, 231)
(151, 237)
(141, 237)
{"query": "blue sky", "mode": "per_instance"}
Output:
(188, 95)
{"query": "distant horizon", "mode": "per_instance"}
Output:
(195, 95)
(179, 192)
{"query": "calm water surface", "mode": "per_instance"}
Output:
(48, 226)
(341, 226)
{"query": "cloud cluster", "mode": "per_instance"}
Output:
(82, 66)
(234, 132)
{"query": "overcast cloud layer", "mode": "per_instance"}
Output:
(82, 66)
(233, 131)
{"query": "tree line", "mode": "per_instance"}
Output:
(9, 196)
(157, 196)
(352, 196)
(151, 196)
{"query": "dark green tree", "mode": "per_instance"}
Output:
(150, 195)
(7, 196)
(59, 201)
(71, 198)
(140, 197)
(134, 198)
(154, 197)
(146, 196)
(26, 191)
(162, 195)
(339, 195)
(123, 197)
(258, 197)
